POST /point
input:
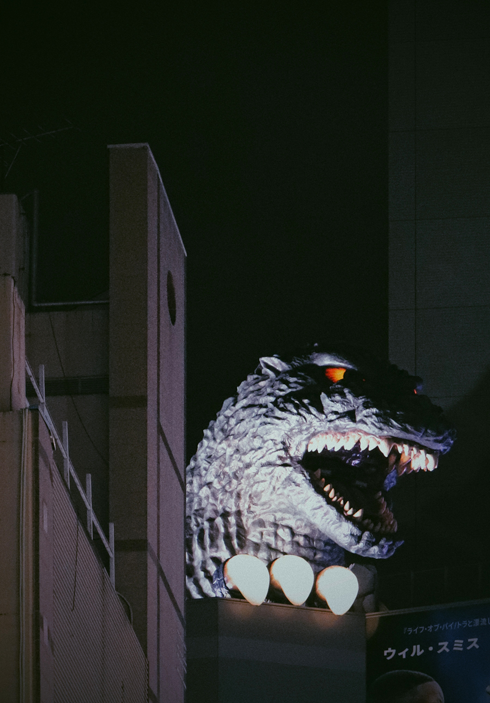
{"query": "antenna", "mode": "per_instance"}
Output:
(13, 143)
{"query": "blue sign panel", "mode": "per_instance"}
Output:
(450, 644)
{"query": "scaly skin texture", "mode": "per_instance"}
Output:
(257, 482)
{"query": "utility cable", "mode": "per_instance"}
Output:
(104, 459)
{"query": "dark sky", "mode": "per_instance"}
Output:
(269, 125)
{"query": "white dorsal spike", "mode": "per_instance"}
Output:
(249, 575)
(339, 587)
(294, 576)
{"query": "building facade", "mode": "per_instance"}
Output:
(93, 461)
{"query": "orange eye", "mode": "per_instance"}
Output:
(334, 374)
(415, 391)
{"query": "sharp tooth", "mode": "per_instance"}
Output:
(332, 494)
(436, 459)
(404, 458)
(339, 443)
(347, 507)
(328, 487)
(378, 495)
(364, 442)
(312, 444)
(418, 461)
(373, 442)
(341, 500)
(331, 439)
(322, 441)
(423, 460)
(351, 440)
(404, 464)
(384, 446)
(322, 483)
(392, 459)
(349, 512)
(407, 450)
(317, 473)
(359, 514)
(431, 462)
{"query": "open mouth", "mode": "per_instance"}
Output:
(354, 472)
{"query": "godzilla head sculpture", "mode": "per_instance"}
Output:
(301, 461)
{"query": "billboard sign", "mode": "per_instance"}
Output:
(451, 644)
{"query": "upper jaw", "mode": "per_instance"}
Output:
(402, 455)
(430, 430)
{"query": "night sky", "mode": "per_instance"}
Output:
(269, 126)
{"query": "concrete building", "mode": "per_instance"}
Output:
(439, 140)
(92, 456)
